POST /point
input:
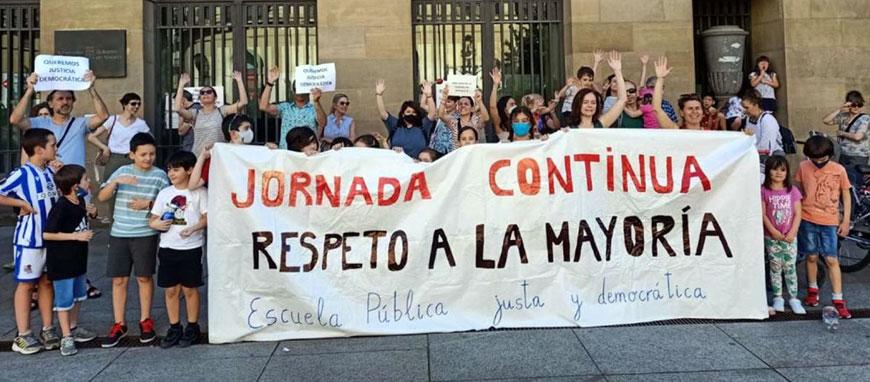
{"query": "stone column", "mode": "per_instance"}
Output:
(367, 40)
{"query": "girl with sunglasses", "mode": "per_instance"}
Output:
(120, 128)
(207, 121)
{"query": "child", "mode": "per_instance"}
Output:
(237, 130)
(649, 116)
(764, 80)
(467, 136)
(132, 243)
(180, 214)
(782, 217)
(824, 185)
(367, 140)
(713, 119)
(585, 80)
(428, 156)
(545, 120)
(67, 236)
(31, 189)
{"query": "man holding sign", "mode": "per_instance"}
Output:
(71, 132)
(294, 114)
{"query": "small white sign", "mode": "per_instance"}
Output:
(462, 85)
(61, 72)
(308, 77)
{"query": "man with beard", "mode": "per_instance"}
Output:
(71, 132)
(294, 114)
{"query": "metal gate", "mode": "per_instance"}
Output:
(522, 38)
(203, 38)
(19, 45)
(711, 13)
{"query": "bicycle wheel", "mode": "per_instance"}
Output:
(854, 251)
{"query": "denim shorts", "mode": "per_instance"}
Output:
(815, 239)
(67, 292)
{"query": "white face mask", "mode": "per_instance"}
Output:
(247, 136)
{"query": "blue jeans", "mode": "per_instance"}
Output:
(815, 239)
(69, 291)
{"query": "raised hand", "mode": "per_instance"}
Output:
(662, 69)
(615, 61)
(644, 59)
(380, 87)
(32, 79)
(274, 74)
(205, 152)
(599, 55)
(90, 77)
(237, 75)
(315, 94)
(426, 88)
(445, 91)
(478, 95)
(495, 74)
(183, 79)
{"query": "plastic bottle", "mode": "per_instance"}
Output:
(831, 317)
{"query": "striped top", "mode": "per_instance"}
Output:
(207, 128)
(127, 222)
(35, 186)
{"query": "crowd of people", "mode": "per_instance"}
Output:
(159, 214)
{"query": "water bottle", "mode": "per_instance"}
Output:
(831, 317)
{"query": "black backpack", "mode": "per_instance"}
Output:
(788, 143)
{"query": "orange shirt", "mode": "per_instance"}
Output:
(823, 188)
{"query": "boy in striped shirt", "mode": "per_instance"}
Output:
(31, 189)
(132, 243)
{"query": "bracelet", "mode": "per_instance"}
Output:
(270, 83)
(379, 94)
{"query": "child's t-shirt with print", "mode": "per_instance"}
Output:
(185, 208)
(779, 208)
(822, 187)
(129, 222)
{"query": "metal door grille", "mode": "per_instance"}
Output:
(711, 13)
(19, 44)
(201, 37)
(522, 38)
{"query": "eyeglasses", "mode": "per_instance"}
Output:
(631, 91)
(206, 92)
(137, 104)
(344, 103)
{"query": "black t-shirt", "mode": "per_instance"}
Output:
(69, 258)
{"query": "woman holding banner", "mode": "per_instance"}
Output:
(207, 121)
(587, 105)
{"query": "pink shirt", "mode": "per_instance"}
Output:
(649, 117)
(779, 208)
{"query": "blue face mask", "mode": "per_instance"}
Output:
(82, 192)
(521, 128)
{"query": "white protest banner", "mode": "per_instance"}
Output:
(462, 85)
(61, 72)
(591, 227)
(308, 77)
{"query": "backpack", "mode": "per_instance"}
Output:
(788, 142)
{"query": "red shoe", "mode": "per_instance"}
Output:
(147, 331)
(812, 297)
(841, 309)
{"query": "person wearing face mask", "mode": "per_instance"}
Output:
(237, 129)
(304, 110)
(120, 129)
(521, 124)
(207, 121)
(472, 113)
(500, 108)
(410, 132)
(338, 123)
(545, 120)
(852, 133)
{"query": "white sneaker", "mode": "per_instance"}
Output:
(779, 304)
(796, 306)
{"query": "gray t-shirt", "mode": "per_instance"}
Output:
(207, 128)
(859, 125)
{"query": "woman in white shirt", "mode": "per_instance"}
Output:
(120, 128)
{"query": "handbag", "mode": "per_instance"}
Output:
(100, 160)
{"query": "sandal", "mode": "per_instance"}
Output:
(93, 292)
(33, 304)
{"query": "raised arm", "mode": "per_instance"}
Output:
(442, 109)
(831, 119)
(243, 95)
(494, 116)
(195, 180)
(102, 112)
(644, 59)
(183, 80)
(380, 88)
(18, 118)
(481, 108)
(264, 104)
(428, 100)
(615, 62)
(598, 56)
(320, 114)
(755, 78)
(662, 71)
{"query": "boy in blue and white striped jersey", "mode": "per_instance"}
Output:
(31, 189)
(132, 243)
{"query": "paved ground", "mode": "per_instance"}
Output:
(755, 351)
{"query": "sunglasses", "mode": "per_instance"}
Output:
(135, 104)
(344, 103)
(206, 92)
(631, 91)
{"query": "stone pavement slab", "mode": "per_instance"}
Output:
(803, 343)
(508, 354)
(351, 345)
(155, 355)
(51, 366)
(677, 348)
(748, 375)
(827, 374)
(185, 369)
(393, 366)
